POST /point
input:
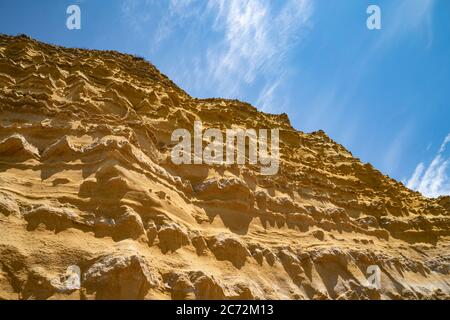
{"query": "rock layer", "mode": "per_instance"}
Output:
(86, 180)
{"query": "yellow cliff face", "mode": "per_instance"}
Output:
(88, 188)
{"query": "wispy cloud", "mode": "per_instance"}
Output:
(178, 11)
(433, 181)
(395, 149)
(400, 18)
(227, 48)
(135, 13)
(444, 144)
(267, 99)
(256, 39)
(404, 17)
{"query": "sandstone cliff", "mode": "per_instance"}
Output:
(86, 180)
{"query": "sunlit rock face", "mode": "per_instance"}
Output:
(87, 183)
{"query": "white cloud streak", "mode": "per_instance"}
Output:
(134, 14)
(433, 181)
(228, 48)
(444, 144)
(256, 40)
(266, 99)
(406, 16)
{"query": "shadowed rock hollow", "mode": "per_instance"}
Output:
(86, 180)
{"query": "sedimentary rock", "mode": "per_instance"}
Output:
(87, 181)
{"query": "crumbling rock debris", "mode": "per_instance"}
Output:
(228, 247)
(120, 274)
(172, 237)
(8, 205)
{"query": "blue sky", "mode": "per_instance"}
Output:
(383, 94)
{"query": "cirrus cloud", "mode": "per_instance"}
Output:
(433, 180)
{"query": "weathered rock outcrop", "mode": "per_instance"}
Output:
(86, 183)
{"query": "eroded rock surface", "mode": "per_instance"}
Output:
(86, 181)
